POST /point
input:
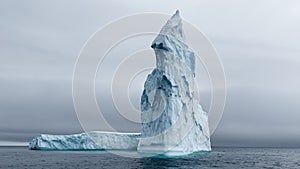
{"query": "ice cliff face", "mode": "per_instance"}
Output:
(173, 121)
(86, 141)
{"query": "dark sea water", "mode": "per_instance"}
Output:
(231, 158)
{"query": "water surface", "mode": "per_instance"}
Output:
(231, 158)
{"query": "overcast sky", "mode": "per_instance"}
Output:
(258, 43)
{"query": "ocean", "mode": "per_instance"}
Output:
(228, 158)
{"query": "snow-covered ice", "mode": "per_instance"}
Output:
(173, 121)
(97, 140)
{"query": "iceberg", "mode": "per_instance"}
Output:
(173, 121)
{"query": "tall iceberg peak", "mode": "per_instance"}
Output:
(173, 122)
(171, 39)
(172, 28)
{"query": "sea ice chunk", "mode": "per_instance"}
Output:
(96, 140)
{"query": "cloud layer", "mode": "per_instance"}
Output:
(258, 43)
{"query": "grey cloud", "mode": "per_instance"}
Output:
(257, 42)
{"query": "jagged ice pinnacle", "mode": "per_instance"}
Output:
(173, 122)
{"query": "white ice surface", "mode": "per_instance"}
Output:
(96, 140)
